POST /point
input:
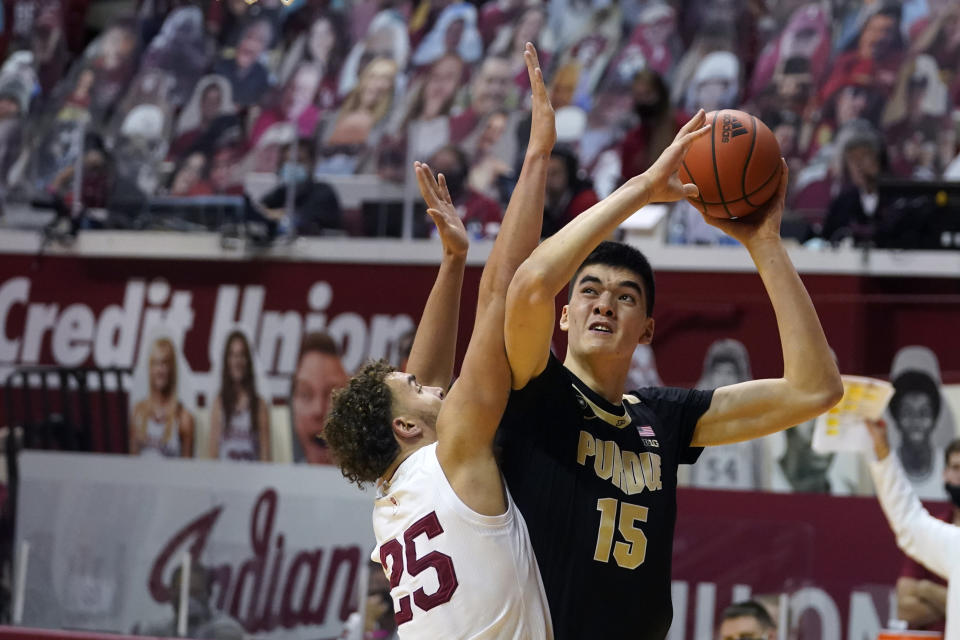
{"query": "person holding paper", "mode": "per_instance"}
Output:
(932, 542)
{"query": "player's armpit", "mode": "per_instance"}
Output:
(528, 325)
(757, 408)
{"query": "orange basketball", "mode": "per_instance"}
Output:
(736, 166)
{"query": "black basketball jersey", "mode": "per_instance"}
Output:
(596, 484)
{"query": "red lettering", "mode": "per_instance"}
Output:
(200, 528)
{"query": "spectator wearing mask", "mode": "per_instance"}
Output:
(568, 193)
(747, 620)
(319, 372)
(481, 215)
(315, 207)
(656, 128)
(926, 539)
(921, 594)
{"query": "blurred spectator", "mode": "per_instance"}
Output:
(568, 194)
(712, 37)
(530, 26)
(653, 44)
(13, 111)
(592, 51)
(386, 38)
(97, 180)
(190, 177)
(314, 206)
(487, 171)
(728, 466)
(747, 620)
(715, 84)
(481, 215)
(643, 369)
(321, 46)
(76, 108)
(160, 424)
(422, 125)
(803, 44)
(244, 70)
(212, 99)
(240, 418)
(876, 55)
(203, 621)
(295, 104)
(850, 103)
(496, 13)
(455, 32)
(264, 157)
(39, 24)
(181, 48)
(492, 88)
(319, 372)
(857, 211)
(916, 121)
(657, 125)
(356, 127)
(141, 146)
(921, 594)
(113, 58)
(224, 178)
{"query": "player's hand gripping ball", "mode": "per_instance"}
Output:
(736, 166)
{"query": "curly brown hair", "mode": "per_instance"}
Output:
(358, 428)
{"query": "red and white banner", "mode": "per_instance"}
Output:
(282, 546)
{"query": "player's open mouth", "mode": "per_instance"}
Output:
(319, 440)
(601, 327)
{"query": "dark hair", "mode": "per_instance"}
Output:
(358, 429)
(618, 254)
(302, 144)
(317, 342)
(571, 164)
(228, 391)
(952, 448)
(749, 609)
(912, 381)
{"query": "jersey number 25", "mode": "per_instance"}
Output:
(407, 551)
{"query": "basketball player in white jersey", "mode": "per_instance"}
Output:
(449, 537)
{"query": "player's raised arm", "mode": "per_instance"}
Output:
(811, 382)
(472, 412)
(435, 344)
(530, 302)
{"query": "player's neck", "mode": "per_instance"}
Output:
(605, 377)
(956, 516)
(405, 452)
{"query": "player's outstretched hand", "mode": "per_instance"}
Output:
(663, 178)
(440, 208)
(760, 225)
(543, 128)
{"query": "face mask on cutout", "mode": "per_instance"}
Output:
(293, 172)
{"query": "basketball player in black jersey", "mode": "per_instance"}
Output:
(593, 467)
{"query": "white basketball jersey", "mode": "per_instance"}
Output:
(455, 573)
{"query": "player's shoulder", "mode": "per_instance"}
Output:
(669, 398)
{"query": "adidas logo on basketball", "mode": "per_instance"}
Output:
(731, 128)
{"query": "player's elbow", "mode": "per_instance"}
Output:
(531, 284)
(832, 392)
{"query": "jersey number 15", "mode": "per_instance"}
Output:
(629, 554)
(439, 562)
